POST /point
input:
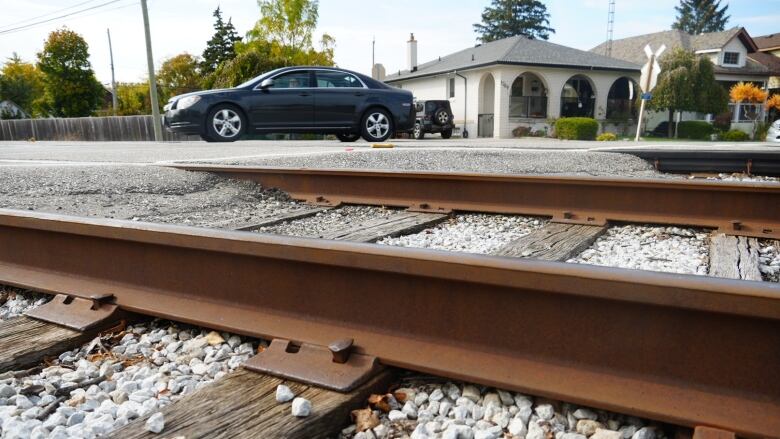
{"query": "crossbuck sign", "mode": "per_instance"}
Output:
(648, 80)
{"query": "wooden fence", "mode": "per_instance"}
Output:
(109, 128)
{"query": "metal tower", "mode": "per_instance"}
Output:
(610, 27)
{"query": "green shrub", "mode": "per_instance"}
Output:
(576, 128)
(606, 137)
(734, 136)
(695, 129)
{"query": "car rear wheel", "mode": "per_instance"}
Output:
(442, 117)
(225, 123)
(418, 131)
(446, 134)
(377, 125)
(350, 137)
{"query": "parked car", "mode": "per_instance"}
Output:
(318, 100)
(433, 117)
(773, 135)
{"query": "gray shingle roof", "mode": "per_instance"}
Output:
(516, 50)
(770, 41)
(632, 49)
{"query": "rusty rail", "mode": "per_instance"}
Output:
(682, 349)
(748, 209)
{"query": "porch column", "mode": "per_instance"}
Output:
(501, 112)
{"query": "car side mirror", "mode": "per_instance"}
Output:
(267, 83)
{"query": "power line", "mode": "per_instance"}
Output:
(58, 17)
(46, 15)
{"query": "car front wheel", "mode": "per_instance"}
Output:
(418, 131)
(351, 137)
(225, 123)
(377, 125)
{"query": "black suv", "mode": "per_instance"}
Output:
(433, 117)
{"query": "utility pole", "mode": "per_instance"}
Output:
(113, 80)
(157, 122)
(373, 57)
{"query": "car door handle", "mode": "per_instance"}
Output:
(305, 94)
(359, 93)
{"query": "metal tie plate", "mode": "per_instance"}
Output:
(76, 312)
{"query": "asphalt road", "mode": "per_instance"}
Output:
(96, 153)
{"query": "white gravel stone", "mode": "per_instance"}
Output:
(301, 407)
(155, 423)
(283, 393)
(19, 302)
(471, 233)
(668, 249)
(769, 260)
(495, 414)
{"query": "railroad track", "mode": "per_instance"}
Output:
(704, 351)
(693, 160)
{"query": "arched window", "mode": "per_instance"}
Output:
(622, 98)
(578, 97)
(528, 97)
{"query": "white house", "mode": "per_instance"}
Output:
(9, 110)
(495, 87)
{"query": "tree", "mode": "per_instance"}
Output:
(221, 47)
(22, 83)
(773, 105)
(134, 98)
(179, 74)
(71, 89)
(507, 18)
(700, 16)
(749, 93)
(687, 83)
(288, 25)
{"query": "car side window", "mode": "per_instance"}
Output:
(337, 80)
(298, 79)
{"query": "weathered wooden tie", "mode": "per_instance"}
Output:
(734, 257)
(401, 223)
(553, 242)
(243, 405)
(276, 219)
(25, 342)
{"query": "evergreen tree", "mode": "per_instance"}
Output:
(701, 16)
(221, 46)
(507, 18)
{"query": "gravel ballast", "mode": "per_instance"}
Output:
(15, 302)
(453, 160)
(471, 233)
(430, 408)
(769, 260)
(114, 379)
(667, 249)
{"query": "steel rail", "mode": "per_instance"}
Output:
(748, 209)
(689, 350)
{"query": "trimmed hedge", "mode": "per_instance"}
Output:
(695, 129)
(606, 137)
(576, 128)
(734, 136)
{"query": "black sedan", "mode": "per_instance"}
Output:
(317, 100)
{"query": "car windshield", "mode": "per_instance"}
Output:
(256, 78)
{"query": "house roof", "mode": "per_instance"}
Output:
(632, 49)
(768, 42)
(771, 62)
(518, 50)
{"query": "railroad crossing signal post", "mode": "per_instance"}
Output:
(647, 81)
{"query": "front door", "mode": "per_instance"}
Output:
(287, 104)
(336, 99)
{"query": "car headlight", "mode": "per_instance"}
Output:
(187, 102)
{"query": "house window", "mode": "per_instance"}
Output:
(451, 87)
(731, 58)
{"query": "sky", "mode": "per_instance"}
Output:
(440, 26)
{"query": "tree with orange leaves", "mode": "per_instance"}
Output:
(749, 93)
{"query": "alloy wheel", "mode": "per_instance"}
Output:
(377, 125)
(227, 123)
